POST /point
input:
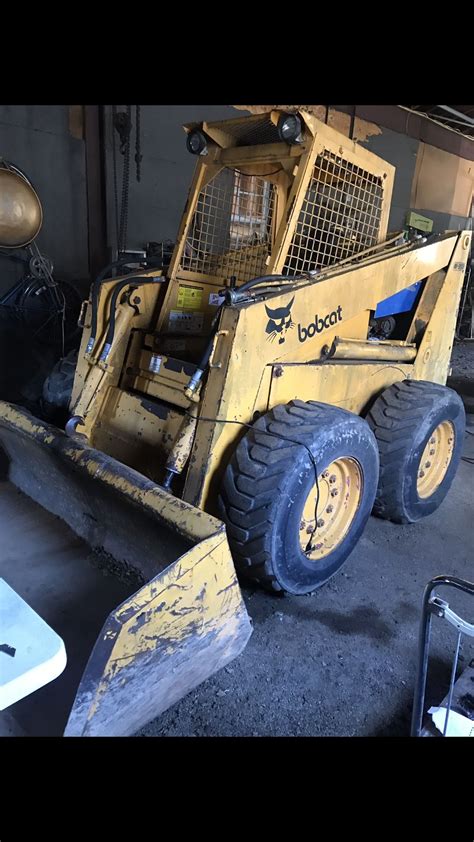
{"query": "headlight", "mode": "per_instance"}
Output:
(196, 142)
(289, 128)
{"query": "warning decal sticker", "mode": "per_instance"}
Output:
(189, 298)
(185, 322)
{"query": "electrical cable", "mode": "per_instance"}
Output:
(56, 294)
(308, 547)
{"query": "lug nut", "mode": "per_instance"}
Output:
(320, 522)
(332, 478)
(309, 530)
(301, 525)
(325, 474)
(421, 474)
(427, 464)
(317, 546)
(334, 492)
(432, 452)
(450, 441)
(432, 440)
(329, 509)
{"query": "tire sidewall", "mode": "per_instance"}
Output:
(449, 409)
(294, 572)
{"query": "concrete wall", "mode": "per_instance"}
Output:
(38, 139)
(402, 151)
(41, 140)
(156, 203)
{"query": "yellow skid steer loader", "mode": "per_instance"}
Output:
(238, 413)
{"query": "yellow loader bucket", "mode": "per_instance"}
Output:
(184, 623)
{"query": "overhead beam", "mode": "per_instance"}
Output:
(453, 111)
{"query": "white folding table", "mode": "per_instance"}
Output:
(31, 653)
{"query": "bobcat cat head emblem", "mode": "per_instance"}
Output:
(279, 322)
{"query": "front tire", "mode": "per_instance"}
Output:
(419, 427)
(269, 494)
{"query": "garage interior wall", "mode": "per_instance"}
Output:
(46, 142)
(432, 181)
(156, 203)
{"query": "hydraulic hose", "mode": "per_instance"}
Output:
(133, 282)
(234, 295)
(121, 261)
(195, 380)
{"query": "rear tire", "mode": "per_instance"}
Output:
(57, 388)
(419, 427)
(270, 480)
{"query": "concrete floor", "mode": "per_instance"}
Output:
(55, 572)
(341, 662)
(338, 662)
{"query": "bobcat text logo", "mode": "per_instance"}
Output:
(279, 321)
(320, 323)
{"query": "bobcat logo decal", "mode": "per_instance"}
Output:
(279, 322)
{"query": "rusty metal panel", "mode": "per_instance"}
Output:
(348, 385)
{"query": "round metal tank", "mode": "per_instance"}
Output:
(21, 214)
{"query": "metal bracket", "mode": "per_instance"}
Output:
(212, 364)
(441, 608)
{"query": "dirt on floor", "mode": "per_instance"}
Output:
(341, 662)
(462, 359)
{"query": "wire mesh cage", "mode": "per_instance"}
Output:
(232, 228)
(340, 216)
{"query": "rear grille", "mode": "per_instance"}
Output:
(340, 215)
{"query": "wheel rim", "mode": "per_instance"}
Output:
(340, 493)
(435, 459)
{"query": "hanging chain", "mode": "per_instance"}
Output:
(122, 122)
(138, 155)
(125, 149)
(114, 160)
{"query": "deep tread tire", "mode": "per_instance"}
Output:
(268, 480)
(57, 388)
(403, 418)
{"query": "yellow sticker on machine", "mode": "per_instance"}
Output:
(189, 297)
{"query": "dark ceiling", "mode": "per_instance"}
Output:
(459, 117)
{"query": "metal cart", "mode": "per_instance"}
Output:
(458, 693)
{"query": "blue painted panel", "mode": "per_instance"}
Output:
(401, 302)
